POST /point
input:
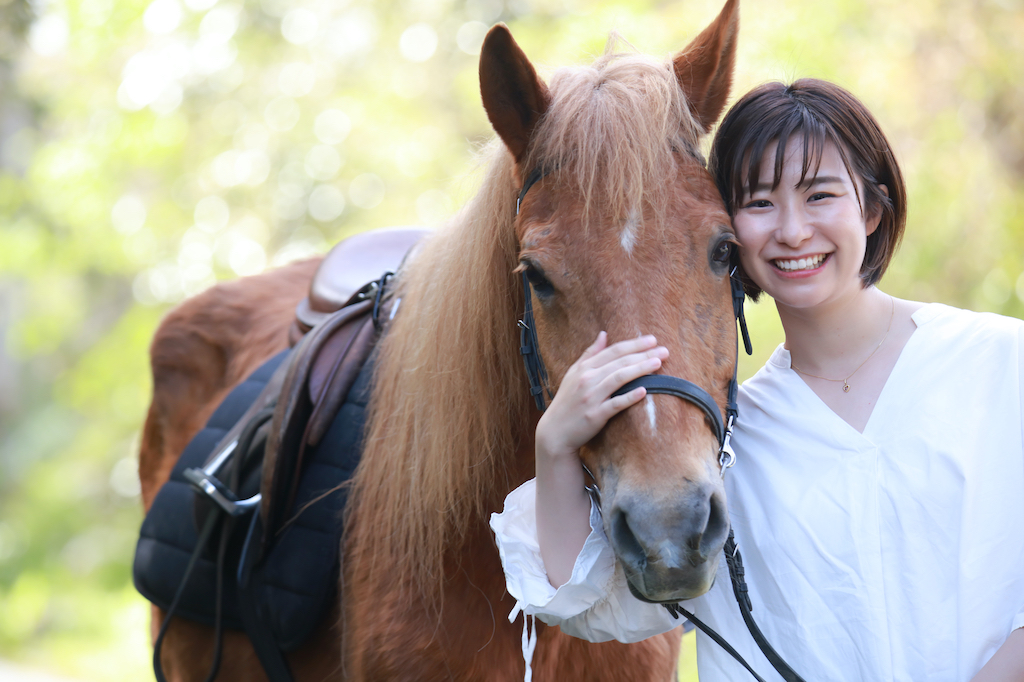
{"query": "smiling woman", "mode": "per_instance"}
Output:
(825, 153)
(864, 513)
(114, 206)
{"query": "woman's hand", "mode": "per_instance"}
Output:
(580, 409)
(583, 403)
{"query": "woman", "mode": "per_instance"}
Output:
(878, 496)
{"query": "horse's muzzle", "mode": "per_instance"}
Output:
(670, 551)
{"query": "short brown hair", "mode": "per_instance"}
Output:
(821, 112)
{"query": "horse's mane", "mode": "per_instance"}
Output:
(450, 402)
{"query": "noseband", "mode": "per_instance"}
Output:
(691, 392)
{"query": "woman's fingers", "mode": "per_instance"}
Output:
(600, 355)
(599, 344)
(616, 404)
(623, 375)
(646, 357)
(606, 379)
(620, 349)
(584, 403)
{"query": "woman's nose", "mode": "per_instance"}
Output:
(794, 228)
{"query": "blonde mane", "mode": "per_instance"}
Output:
(450, 403)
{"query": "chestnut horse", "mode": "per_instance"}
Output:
(625, 232)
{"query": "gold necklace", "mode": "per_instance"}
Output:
(846, 384)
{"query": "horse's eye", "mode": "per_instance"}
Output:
(723, 252)
(541, 285)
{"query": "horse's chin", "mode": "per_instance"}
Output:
(690, 585)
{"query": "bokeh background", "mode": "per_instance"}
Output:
(150, 149)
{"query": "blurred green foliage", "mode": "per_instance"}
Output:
(149, 149)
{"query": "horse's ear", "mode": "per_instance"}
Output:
(514, 96)
(704, 68)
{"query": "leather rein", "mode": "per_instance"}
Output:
(685, 390)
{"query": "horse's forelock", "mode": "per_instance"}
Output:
(611, 130)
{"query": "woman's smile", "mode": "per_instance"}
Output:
(802, 266)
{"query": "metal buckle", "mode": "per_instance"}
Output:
(217, 462)
(592, 489)
(378, 294)
(725, 460)
(725, 457)
(368, 291)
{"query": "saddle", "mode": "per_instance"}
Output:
(264, 480)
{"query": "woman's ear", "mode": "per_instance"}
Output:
(875, 219)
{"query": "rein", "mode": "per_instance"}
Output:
(685, 390)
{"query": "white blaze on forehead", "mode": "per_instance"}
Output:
(630, 230)
(652, 414)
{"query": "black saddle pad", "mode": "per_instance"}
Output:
(297, 580)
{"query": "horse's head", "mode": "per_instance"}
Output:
(625, 231)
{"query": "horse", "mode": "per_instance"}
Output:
(622, 229)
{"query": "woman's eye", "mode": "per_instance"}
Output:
(723, 252)
(818, 196)
(758, 203)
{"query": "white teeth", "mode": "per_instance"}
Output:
(800, 264)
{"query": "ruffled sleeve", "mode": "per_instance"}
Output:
(595, 604)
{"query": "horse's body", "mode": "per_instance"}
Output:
(195, 364)
(451, 425)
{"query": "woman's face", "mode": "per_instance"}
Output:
(804, 245)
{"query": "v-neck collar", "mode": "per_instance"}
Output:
(782, 359)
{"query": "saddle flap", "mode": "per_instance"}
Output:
(323, 366)
(334, 371)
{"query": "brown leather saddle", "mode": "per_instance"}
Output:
(334, 332)
(348, 266)
(288, 456)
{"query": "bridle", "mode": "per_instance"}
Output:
(685, 390)
(654, 383)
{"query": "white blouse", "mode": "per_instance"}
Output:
(892, 554)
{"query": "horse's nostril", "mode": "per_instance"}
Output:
(625, 542)
(717, 527)
(654, 537)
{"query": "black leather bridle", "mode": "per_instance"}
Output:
(691, 392)
(654, 383)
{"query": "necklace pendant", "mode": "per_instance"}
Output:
(846, 386)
